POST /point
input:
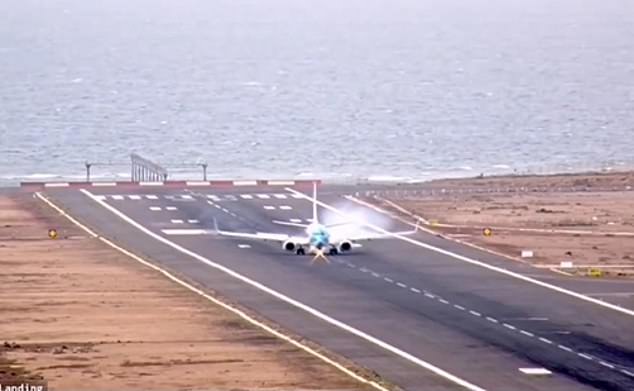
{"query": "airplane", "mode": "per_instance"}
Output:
(319, 239)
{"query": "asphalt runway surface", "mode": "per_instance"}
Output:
(419, 317)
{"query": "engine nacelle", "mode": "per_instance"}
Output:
(288, 245)
(344, 246)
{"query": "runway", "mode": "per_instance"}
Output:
(415, 312)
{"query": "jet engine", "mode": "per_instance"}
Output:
(344, 246)
(288, 245)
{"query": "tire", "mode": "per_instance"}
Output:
(300, 251)
(333, 251)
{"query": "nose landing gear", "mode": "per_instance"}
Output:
(300, 251)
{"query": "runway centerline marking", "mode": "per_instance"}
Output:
(318, 314)
(155, 208)
(171, 208)
(495, 321)
(472, 261)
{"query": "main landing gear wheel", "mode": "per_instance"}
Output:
(333, 251)
(300, 251)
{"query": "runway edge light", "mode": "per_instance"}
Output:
(52, 233)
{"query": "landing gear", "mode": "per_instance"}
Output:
(300, 251)
(333, 251)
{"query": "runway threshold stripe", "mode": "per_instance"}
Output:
(221, 303)
(472, 261)
(337, 323)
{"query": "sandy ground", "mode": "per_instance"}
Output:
(84, 317)
(561, 218)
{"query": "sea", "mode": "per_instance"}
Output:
(336, 89)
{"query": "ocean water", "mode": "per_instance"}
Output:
(327, 88)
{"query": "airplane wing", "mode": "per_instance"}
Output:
(365, 236)
(264, 236)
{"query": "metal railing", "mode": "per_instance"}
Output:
(144, 170)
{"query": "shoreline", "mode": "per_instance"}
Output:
(374, 179)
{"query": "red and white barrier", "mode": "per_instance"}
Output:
(172, 184)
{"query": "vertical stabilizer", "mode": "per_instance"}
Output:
(315, 218)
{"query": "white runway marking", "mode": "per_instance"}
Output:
(134, 197)
(388, 280)
(461, 308)
(213, 197)
(280, 196)
(171, 208)
(535, 371)
(117, 197)
(493, 320)
(285, 207)
(186, 197)
(528, 334)
(263, 196)
(193, 221)
(244, 246)
(509, 326)
(295, 220)
(546, 340)
(176, 221)
(269, 207)
(427, 294)
(101, 197)
(151, 197)
(246, 196)
(606, 364)
(475, 313)
(401, 285)
(155, 208)
(231, 197)
(415, 290)
(185, 231)
(296, 196)
(586, 356)
(443, 301)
